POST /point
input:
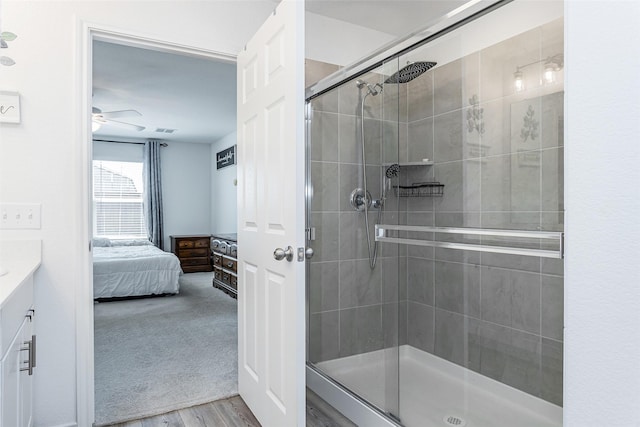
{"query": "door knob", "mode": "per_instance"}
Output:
(279, 254)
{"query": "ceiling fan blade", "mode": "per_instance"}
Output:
(120, 114)
(124, 125)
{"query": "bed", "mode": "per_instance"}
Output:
(131, 268)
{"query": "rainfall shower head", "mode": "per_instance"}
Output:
(410, 72)
(392, 171)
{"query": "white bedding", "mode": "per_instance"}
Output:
(124, 271)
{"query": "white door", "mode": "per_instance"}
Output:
(271, 293)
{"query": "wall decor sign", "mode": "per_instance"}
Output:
(226, 157)
(9, 107)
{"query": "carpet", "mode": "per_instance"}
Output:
(155, 355)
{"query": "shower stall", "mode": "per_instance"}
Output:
(435, 211)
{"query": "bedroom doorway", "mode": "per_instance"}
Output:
(142, 352)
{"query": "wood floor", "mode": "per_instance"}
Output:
(233, 412)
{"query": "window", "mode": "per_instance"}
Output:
(117, 199)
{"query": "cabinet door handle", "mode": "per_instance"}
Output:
(29, 360)
(33, 351)
(229, 264)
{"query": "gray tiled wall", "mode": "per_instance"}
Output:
(499, 315)
(353, 308)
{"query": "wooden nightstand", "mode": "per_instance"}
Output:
(193, 251)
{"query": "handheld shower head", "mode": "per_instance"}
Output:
(392, 171)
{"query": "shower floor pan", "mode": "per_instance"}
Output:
(435, 392)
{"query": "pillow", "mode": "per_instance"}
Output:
(131, 242)
(101, 242)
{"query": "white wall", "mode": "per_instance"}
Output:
(602, 190)
(186, 189)
(223, 190)
(325, 35)
(41, 158)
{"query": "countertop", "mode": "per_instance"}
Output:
(21, 258)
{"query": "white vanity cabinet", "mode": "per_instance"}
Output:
(17, 358)
(17, 337)
(25, 380)
(16, 381)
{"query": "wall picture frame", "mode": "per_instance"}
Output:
(9, 107)
(226, 157)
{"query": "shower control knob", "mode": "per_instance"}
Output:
(358, 199)
(279, 254)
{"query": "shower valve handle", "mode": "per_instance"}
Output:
(279, 254)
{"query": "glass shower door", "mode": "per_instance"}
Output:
(353, 282)
(456, 318)
(484, 257)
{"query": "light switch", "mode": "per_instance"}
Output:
(20, 216)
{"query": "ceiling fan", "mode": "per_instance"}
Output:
(99, 118)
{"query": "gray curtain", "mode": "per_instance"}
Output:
(153, 193)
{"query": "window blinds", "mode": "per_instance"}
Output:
(117, 197)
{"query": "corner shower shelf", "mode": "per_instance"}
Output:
(429, 163)
(420, 189)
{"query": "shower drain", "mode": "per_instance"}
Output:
(452, 420)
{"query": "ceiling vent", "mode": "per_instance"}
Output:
(164, 130)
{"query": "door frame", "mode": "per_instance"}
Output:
(86, 33)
